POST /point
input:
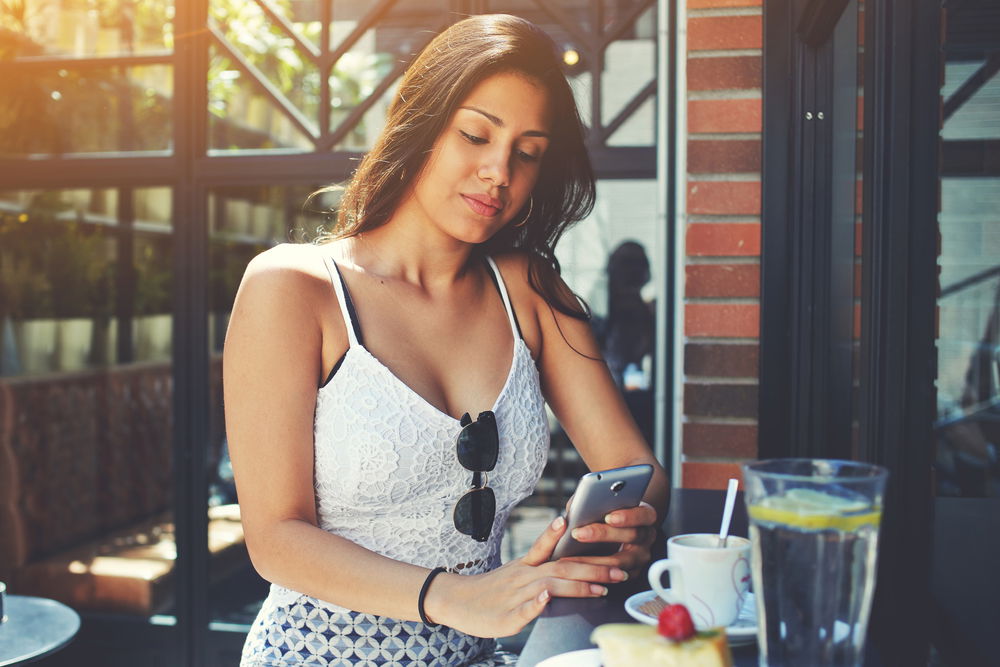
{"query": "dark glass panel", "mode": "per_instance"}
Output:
(968, 382)
(87, 427)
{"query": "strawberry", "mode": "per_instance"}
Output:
(675, 623)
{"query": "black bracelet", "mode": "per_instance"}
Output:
(423, 593)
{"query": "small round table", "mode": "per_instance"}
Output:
(35, 628)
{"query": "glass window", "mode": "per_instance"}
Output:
(967, 428)
(630, 66)
(93, 110)
(87, 28)
(968, 383)
(87, 419)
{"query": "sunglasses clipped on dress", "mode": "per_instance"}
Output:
(477, 448)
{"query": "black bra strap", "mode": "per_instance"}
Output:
(350, 306)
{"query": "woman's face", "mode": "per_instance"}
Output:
(484, 165)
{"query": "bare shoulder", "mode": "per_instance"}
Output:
(552, 326)
(515, 266)
(287, 263)
(288, 284)
(294, 273)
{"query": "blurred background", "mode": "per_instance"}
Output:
(158, 146)
(150, 148)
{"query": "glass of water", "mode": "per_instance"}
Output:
(814, 526)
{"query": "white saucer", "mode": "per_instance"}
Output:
(588, 657)
(742, 631)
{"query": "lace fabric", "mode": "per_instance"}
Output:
(387, 478)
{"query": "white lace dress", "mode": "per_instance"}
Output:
(387, 478)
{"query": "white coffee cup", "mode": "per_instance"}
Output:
(711, 582)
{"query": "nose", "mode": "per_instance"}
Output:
(495, 168)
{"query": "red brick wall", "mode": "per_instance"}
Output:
(722, 240)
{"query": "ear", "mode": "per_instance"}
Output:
(466, 419)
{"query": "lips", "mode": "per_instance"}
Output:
(483, 204)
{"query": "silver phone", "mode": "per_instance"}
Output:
(597, 494)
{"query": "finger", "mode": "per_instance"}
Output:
(542, 549)
(601, 532)
(641, 515)
(529, 610)
(608, 561)
(591, 572)
(634, 558)
(631, 558)
(568, 588)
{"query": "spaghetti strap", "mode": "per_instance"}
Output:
(340, 289)
(506, 298)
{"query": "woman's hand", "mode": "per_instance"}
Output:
(500, 603)
(634, 528)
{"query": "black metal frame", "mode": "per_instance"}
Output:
(807, 251)
(670, 278)
(807, 245)
(192, 173)
(899, 297)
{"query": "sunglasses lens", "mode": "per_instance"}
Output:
(479, 444)
(474, 513)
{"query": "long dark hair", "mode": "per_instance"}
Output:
(433, 86)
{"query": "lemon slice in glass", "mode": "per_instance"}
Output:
(810, 509)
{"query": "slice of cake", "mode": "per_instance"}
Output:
(673, 643)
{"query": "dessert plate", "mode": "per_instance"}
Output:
(588, 657)
(742, 631)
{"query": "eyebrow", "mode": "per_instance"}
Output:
(499, 122)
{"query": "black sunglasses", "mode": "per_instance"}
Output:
(477, 448)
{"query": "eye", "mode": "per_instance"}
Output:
(527, 157)
(471, 138)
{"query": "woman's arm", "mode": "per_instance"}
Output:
(579, 389)
(272, 364)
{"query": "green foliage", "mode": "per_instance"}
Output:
(53, 266)
(153, 279)
(24, 292)
(102, 110)
(229, 260)
(14, 16)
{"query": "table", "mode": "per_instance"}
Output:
(566, 623)
(35, 627)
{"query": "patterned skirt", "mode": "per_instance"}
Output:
(308, 633)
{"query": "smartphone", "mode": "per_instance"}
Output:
(597, 494)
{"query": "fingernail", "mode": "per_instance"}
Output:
(581, 533)
(544, 595)
(613, 519)
(558, 522)
(598, 590)
(619, 575)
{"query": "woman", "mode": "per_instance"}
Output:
(438, 296)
